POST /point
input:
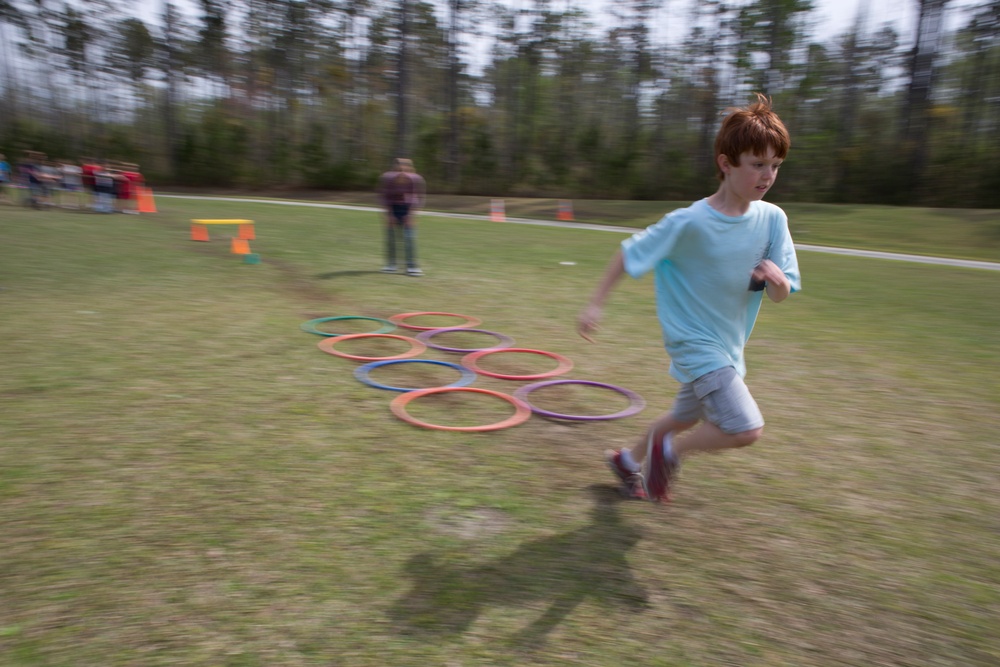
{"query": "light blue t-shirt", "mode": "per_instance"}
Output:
(702, 261)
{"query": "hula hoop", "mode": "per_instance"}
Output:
(362, 373)
(327, 346)
(636, 401)
(521, 413)
(310, 326)
(564, 364)
(425, 338)
(400, 320)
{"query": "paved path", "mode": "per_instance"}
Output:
(921, 259)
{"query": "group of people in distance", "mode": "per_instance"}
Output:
(88, 184)
(712, 262)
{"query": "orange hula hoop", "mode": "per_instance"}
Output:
(327, 346)
(400, 320)
(521, 413)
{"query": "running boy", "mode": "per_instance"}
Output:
(712, 262)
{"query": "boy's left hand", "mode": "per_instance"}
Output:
(773, 280)
(767, 271)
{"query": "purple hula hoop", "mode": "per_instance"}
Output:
(425, 338)
(637, 402)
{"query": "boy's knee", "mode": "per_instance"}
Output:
(747, 438)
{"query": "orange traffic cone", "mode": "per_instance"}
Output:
(240, 247)
(199, 233)
(146, 202)
(246, 232)
(565, 210)
(497, 211)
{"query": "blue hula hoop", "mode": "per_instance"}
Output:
(362, 373)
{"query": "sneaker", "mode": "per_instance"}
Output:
(414, 271)
(389, 268)
(633, 485)
(658, 472)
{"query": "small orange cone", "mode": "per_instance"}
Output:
(240, 247)
(146, 202)
(497, 211)
(199, 233)
(246, 232)
(565, 210)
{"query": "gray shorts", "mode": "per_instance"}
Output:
(720, 397)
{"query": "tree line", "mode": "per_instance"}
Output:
(520, 98)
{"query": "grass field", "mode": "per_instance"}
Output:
(959, 233)
(185, 479)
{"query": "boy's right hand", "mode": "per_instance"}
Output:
(588, 322)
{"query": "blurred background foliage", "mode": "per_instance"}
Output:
(527, 98)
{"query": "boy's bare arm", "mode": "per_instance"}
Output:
(777, 286)
(589, 320)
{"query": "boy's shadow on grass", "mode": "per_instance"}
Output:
(588, 563)
(345, 274)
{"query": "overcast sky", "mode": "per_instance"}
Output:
(832, 17)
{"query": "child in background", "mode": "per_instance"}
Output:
(89, 167)
(33, 170)
(104, 190)
(72, 184)
(6, 178)
(134, 181)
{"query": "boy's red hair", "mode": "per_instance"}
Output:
(753, 129)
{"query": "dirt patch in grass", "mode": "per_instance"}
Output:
(468, 523)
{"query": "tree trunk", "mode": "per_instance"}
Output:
(915, 120)
(173, 65)
(453, 164)
(402, 80)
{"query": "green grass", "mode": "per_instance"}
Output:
(959, 233)
(185, 479)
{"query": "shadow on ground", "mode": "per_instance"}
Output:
(589, 563)
(344, 274)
